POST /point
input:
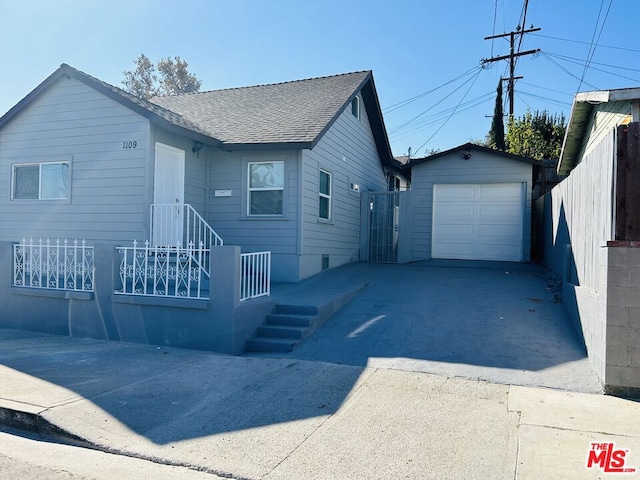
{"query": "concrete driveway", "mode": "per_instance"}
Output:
(481, 320)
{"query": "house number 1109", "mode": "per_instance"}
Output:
(126, 145)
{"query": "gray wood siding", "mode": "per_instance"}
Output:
(73, 122)
(480, 168)
(228, 215)
(348, 152)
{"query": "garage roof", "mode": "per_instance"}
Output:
(472, 147)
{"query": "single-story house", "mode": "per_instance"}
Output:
(590, 232)
(472, 203)
(165, 221)
(277, 168)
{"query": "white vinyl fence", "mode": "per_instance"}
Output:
(59, 265)
(163, 271)
(255, 275)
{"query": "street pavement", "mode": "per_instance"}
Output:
(444, 376)
(268, 418)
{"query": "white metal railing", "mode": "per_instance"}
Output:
(255, 275)
(163, 271)
(180, 224)
(59, 265)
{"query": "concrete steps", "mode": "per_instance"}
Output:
(284, 328)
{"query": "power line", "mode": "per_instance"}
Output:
(436, 104)
(441, 115)
(548, 89)
(401, 104)
(581, 63)
(548, 57)
(452, 113)
(523, 22)
(586, 43)
(495, 15)
(593, 46)
(546, 99)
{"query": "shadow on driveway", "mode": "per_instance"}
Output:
(487, 320)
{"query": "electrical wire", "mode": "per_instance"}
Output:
(451, 115)
(586, 43)
(548, 57)
(495, 15)
(523, 100)
(522, 82)
(581, 63)
(592, 48)
(440, 116)
(408, 101)
(559, 103)
(437, 103)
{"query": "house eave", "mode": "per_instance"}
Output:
(576, 129)
(581, 112)
(231, 147)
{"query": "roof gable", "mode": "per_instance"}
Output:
(468, 147)
(583, 106)
(156, 114)
(296, 112)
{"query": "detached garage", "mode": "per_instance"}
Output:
(472, 203)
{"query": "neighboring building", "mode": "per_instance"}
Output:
(273, 167)
(590, 232)
(473, 203)
(593, 116)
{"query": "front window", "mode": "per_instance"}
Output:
(324, 192)
(266, 188)
(41, 181)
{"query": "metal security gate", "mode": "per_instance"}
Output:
(384, 226)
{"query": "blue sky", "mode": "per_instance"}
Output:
(412, 46)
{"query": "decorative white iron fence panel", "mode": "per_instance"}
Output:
(163, 271)
(181, 224)
(255, 276)
(61, 265)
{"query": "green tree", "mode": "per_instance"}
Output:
(169, 77)
(496, 134)
(536, 135)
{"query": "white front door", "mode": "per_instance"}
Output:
(168, 196)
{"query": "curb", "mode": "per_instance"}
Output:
(36, 423)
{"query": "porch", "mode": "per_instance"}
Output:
(194, 293)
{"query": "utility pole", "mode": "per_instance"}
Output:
(512, 59)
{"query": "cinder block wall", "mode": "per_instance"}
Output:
(622, 373)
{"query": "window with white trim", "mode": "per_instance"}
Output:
(324, 195)
(40, 181)
(355, 107)
(265, 188)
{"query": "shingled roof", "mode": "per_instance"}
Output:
(156, 114)
(295, 112)
(288, 115)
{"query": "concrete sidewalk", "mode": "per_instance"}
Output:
(268, 418)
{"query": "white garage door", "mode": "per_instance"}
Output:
(478, 221)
